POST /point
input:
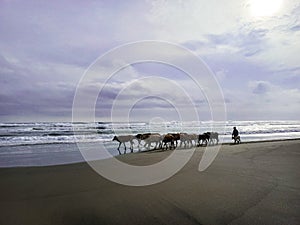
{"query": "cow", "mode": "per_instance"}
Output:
(153, 138)
(203, 139)
(123, 139)
(148, 138)
(168, 141)
(184, 139)
(213, 137)
(176, 138)
(187, 139)
(141, 137)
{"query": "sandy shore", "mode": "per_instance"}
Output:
(251, 183)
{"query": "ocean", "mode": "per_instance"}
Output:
(52, 143)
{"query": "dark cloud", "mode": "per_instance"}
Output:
(50, 102)
(25, 93)
(261, 88)
(295, 28)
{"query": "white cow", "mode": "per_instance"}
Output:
(188, 139)
(122, 139)
(153, 138)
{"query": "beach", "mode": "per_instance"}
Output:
(250, 183)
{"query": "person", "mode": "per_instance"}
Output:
(235, 132)
(235, 135)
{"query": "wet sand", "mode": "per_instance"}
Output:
(250, 183)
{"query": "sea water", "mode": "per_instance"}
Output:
(51, 143)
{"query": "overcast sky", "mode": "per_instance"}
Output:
(251, 46)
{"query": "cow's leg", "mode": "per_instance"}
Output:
(124, 147)
(119, 145)
(119, 148)
(165, 145)
(157, 144)
(131, 146)
(160, 144)
(139, 142)
(146, 145)
(172, 144)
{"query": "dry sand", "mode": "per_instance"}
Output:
(251, 183)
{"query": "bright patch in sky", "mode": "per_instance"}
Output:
(262, 8)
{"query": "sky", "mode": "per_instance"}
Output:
(251, 47)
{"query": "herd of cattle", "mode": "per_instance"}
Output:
(167, 141)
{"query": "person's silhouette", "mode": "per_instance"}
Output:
(235, 134)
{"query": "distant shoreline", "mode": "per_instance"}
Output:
(67, 143)
(79, 159)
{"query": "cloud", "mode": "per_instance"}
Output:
(185, 20)
(295, 28)
(46, 48)
(247, 43)
(260, 87)
(263, 100)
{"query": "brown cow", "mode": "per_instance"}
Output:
(176, 137)
(168, 139)
(203, 138)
